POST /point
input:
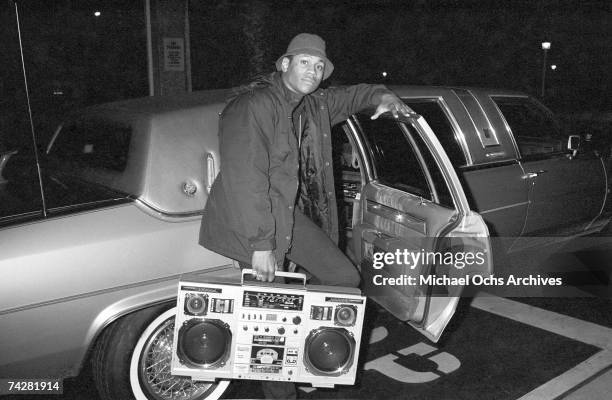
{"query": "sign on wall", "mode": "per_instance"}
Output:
(174, 54)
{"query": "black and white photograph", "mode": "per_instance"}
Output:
(291, 199)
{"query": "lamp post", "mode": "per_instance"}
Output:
(545, 48)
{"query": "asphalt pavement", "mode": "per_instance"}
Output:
(547, 347)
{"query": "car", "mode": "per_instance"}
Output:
(96, 231)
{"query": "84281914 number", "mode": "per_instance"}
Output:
(31, 386)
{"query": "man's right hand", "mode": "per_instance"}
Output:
(264, 265)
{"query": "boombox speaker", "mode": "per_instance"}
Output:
(267, 331)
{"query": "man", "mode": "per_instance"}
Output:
(275, 146)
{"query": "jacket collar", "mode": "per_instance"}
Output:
(290, 96)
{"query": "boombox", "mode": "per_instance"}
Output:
(267, 331)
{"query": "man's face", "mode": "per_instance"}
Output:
(303, 73)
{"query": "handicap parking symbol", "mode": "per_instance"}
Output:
(388, 365)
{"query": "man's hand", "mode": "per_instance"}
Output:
(264, 265)
(390, 102)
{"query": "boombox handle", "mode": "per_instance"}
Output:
(284, 274)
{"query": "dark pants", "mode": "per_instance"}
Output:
(314, 251)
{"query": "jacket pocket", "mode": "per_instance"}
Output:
(282, 147)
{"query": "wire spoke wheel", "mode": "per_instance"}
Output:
(151, 366)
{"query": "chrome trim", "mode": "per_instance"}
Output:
(24, 218)
(495, 154)
(362, 150)
(174, 217)
(503, 118)
(426, 170)
(529, 175)
(402, 218)
(490, 164)
(503, 208)
(111, 290)
(446, 167)
(211, 174)
(458, 133)
(494, 141)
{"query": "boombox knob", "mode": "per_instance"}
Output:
(281, 331)
(297, 320)
(256, 329)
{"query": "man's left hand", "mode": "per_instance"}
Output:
(390, 102)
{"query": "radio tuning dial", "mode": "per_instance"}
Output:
(281, 331)
(297, 320)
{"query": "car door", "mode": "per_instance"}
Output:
(567, 192)
(415, 224)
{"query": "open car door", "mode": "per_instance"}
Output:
(415, 238)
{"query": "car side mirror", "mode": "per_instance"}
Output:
(573, 144)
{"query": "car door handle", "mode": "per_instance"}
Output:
(531, 175)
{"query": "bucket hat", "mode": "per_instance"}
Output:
(307, 43)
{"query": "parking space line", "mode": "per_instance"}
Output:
(568, 381)
(573, 328)
(563, 325)
(595, 388)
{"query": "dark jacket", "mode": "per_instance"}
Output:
(252, 200)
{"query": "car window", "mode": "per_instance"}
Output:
(434, 114)
(535, 130)
(93, 143)
(82, 150)
(395, 162)
(19, 186)
(442, 195)
(20, 193)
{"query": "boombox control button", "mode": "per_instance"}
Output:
(245, 327)
(267, 329)
(281, 330)
(256, 328)
(284, 319)
(295, 331)
(297, 320)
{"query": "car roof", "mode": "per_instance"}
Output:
(419, 90)
(155, 105)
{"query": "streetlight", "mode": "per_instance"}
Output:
(545, 48)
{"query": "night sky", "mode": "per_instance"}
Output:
(74, 58)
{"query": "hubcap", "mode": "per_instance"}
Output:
(154, 369)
